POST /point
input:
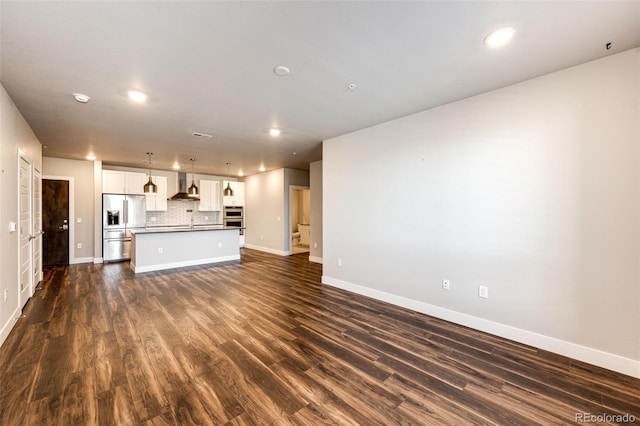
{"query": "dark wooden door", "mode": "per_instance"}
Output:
(55, 222)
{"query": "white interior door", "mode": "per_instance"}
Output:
(26, 227)
(37, 229)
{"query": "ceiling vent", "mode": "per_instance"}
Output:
(201, 135)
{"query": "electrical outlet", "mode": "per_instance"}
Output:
(79, 220)
(339, 262)
(315, 245)
(446, 284)
(160, 250)
(261, 238)
(6, 294)
(219, 244)
(79, 245)
(153, 219)
(483, 291)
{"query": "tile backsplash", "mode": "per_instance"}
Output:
(179, 213)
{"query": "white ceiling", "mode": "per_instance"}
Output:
(208, 67)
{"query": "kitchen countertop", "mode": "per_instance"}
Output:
(185, 228)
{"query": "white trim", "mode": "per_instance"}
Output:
(593, 356)
(38, 240)
(11, 322)
(172, 265)
(81, 260)
(315, 259)
(98, 260)
(268, 250)
(72, 220)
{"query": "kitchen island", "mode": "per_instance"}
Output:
(155, 249)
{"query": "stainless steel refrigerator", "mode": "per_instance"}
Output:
(120, 214)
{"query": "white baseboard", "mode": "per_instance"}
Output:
(98, 260)
(315, 259)
(597, 357)
(8, 326)
(268, 250)
(77, 260)
(172, 265)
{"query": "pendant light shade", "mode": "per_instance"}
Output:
(228, 192)
(150, 187)
(193, 189)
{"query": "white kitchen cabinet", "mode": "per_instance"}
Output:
(117, 182)
(158, 202)
(209, 195)
(238, 193)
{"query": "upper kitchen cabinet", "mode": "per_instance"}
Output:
(209, 195)
(158, 201)
(238, 193)
(117, 182)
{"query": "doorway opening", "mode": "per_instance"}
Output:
(300, 223)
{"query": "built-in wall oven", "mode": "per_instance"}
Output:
(234, 217)
(233, 212)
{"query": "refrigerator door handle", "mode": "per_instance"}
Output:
(125, 211)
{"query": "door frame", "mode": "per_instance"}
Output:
(72, 221)
(36, 178)
(22, 157)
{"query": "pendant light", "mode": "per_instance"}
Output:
(193, 189)
(150, 187)
(228, 192)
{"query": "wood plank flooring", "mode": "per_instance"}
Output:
(261, 341)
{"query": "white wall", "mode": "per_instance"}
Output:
(83, 203)
(315, 182)
(15, 134)
(267, 209)
(532, 190)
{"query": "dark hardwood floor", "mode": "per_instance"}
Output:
(261, 341)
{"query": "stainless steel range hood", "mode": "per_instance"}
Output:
(182, 189)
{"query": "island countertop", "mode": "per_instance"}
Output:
(184, 228)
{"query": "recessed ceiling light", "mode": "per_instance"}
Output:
(137, 96)
(281, 70)
(274, 132)
(262, 168)
(83, 99)
(352, 87)
(240, 173)
(91, 157)
(176, 166)
(499, 37)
